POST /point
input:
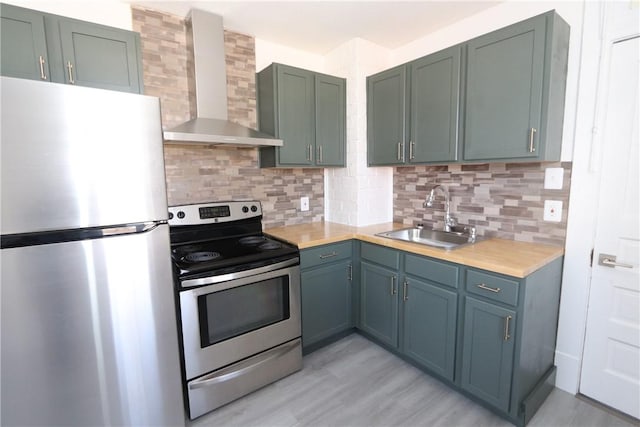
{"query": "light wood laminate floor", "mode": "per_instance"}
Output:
(354, 382)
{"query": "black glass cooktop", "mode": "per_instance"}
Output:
(228, 255)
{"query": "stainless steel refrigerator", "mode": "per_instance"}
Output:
(89, 333)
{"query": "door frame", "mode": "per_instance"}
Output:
(597, 38)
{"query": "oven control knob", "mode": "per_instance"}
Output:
(180, 214)
(245, 209)
(254, 208)
(170, 215)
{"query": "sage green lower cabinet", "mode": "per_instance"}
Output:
(430, 326)
(487, 358)
(326, 292)
(379, 303)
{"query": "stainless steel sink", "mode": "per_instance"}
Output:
(436, 238)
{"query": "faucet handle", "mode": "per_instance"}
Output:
(471, 230)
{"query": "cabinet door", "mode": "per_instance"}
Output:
(100, 57)
(379, 303)
(504, 92)
(386, 117)
(487, 354)
(326, 301)
(295, 116)
(430, 326)
(23, 48)
(435, 94)
(330, 120)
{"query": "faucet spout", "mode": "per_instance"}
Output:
(449, 221)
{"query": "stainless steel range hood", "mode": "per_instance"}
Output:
(211, 126)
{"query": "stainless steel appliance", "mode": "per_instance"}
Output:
(239, 302)
(89, 331)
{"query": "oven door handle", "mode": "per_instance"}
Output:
(190, 283)
(249, 365)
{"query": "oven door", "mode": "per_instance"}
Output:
(229, 321)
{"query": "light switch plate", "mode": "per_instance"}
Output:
(553, 178)
(553, 210)
(304, 204)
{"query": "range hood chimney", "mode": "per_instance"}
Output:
(211, 126)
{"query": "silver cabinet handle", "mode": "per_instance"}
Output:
(70, 70)
(43, 76)
(405, 295)
(488, 288)
(412, 154)
(309, 152)
(507, 320)
(393, 285)
(319, 153)
(402, 152)
(610, 261)
(350, 272)
(399, 148)
(532, 132)
(329, 255)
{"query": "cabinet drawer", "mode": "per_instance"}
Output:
(324, 254)
(431, 270)
(493, 287)
(381, 255)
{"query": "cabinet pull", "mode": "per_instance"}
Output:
(320, 154)
(488, 288)
(399, 150)
(506, 328)
(309, 152)
(43, 76)
(70, 70)
(532, 132)
(330, 255)
(393, 285)
(405, 295)
(350, 272)
(412, 154)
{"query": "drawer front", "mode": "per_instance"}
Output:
(380, 255)
(493, 287)
(325, 254)
(434, 271)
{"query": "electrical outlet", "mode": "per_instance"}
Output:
(553, 210)
(304, 204)
(553, 178)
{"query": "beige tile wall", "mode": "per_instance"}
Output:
(201, 174)
(501, 200)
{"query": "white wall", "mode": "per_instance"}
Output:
(268, 52)
(107, 12)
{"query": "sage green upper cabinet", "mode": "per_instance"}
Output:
(42, 46)
(515, 89)
(307, 111)
(23, 46)
(98, 56)
(386, 117)
(435, 98)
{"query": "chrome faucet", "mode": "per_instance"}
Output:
(449, 221)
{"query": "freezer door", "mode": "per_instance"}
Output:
(75, 157)
(89, 335)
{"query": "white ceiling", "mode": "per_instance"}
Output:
(320, 26)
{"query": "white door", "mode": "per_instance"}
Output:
(611, 359)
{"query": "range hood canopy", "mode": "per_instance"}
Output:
(211, 126)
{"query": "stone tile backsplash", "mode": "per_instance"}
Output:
(202, 174)
(501, 200)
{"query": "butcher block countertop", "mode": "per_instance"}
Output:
(517, 259)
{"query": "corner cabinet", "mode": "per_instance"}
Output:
(498, 97)
(515, 90)
(47, 47)
(326, 293)
(307, 111)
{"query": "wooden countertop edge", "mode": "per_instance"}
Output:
(469, 255)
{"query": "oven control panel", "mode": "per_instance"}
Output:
(208, 213)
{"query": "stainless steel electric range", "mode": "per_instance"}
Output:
(239, 302)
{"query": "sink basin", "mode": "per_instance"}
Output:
(436, 238)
